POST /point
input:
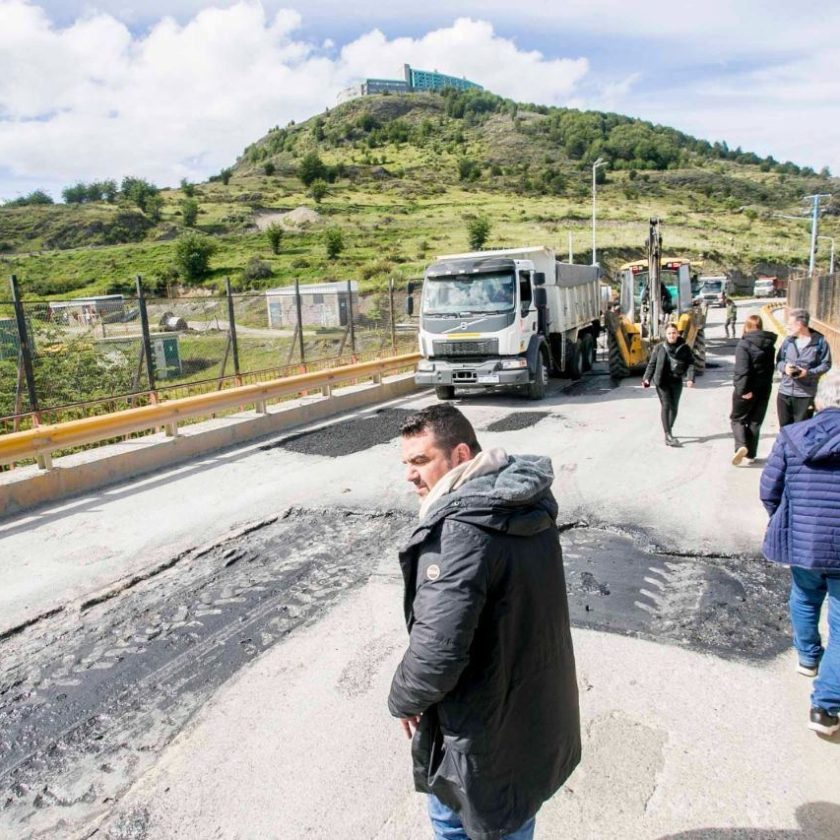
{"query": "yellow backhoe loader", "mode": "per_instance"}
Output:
(654, 293)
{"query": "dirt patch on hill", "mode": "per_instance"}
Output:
(300, 217)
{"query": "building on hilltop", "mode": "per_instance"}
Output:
(414, 81)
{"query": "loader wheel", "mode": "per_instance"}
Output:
(618, 367)
(536, 390)
(445, 392)
(587, 353)
(699, 351)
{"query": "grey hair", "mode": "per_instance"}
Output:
(801, 315)
(828, 391)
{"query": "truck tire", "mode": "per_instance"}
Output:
(573, 360)
(445, 392)
(618, 367)
(536, 389)
(699, 351)
(587, 353)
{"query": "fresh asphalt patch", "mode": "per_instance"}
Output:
(516, 421)
(349, 436)
(89, 699)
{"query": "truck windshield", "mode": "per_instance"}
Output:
(713, 286)
(479, 293)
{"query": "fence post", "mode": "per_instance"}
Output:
(232, 331)
(393, 325)
(350, 317)
(25, 351)
(147, 339)
(299, 322)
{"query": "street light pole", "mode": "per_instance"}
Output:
(815, 217)
(831, 258)
(599, 162)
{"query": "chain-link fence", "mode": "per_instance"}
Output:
(61, 360)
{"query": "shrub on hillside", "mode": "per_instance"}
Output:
(274, 233)
(192, 256)
(478, 230)
(36, 197)
(311, 169)
(333, 242)
(255, 272)
(189, 211)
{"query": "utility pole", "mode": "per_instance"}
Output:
(831, 258)
(571, 255)
(598, 163)
(815, 216)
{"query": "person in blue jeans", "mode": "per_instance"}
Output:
(800, 488)
(447, 825)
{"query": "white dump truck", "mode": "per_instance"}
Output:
(508, 317)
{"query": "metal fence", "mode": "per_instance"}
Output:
(66, 359)
(821, 297)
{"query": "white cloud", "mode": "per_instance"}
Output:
(92, 100)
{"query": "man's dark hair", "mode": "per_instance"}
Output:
(447, 425)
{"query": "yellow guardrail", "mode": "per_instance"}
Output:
(42, 441)
(768, 313)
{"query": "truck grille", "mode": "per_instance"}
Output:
(483, 347)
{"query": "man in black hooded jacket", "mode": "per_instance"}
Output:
(487, 687)
(755, 361)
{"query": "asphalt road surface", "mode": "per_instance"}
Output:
(209, 650)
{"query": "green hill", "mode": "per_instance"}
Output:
(404, 174)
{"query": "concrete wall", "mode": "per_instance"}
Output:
(27, 487)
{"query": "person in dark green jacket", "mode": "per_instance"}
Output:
(731, 316)
(487, 688)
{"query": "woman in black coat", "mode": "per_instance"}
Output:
(755, 357)
(670, 363)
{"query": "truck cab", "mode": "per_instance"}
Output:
(478, 318)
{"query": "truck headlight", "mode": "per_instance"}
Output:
(508, 364)
(425, 364)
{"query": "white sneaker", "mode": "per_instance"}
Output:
(749, 461)
(740, 454)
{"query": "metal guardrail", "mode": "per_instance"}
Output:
(39, 443)
(768, 312)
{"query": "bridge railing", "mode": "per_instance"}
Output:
(40, 443)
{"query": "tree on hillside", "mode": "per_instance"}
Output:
(225, 175)
(318, 190)
(187, 188)
(139, 191)
(478, 230)
(268, 168)
(36, 197)
(333, 242)
(311, 169)
(189, 211)
(192, 256)
(274, 233)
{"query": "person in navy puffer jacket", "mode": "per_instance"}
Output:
(800, 488)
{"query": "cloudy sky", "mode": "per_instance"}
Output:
(93, 89)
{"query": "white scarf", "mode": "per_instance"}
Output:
(488, 461)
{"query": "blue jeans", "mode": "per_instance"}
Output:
(447, 824)
(809, 588)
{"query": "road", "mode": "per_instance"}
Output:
(210, 648)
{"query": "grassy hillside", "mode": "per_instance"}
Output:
(406, 173)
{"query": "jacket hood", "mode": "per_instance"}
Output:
(818, 440)
(515, 499)
(761, 338)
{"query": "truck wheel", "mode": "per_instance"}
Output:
(587, 353)
(536, 390)
(445, 392)
(699, 351)
(573, 359)
(618, 367)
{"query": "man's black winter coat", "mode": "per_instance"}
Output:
(755, 363)
(490, 665)
(670, 363)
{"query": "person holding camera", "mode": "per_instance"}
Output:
(670, 363)
(803, 358)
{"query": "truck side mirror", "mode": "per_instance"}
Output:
(539, 278)
(409, 305)
(540, 298)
